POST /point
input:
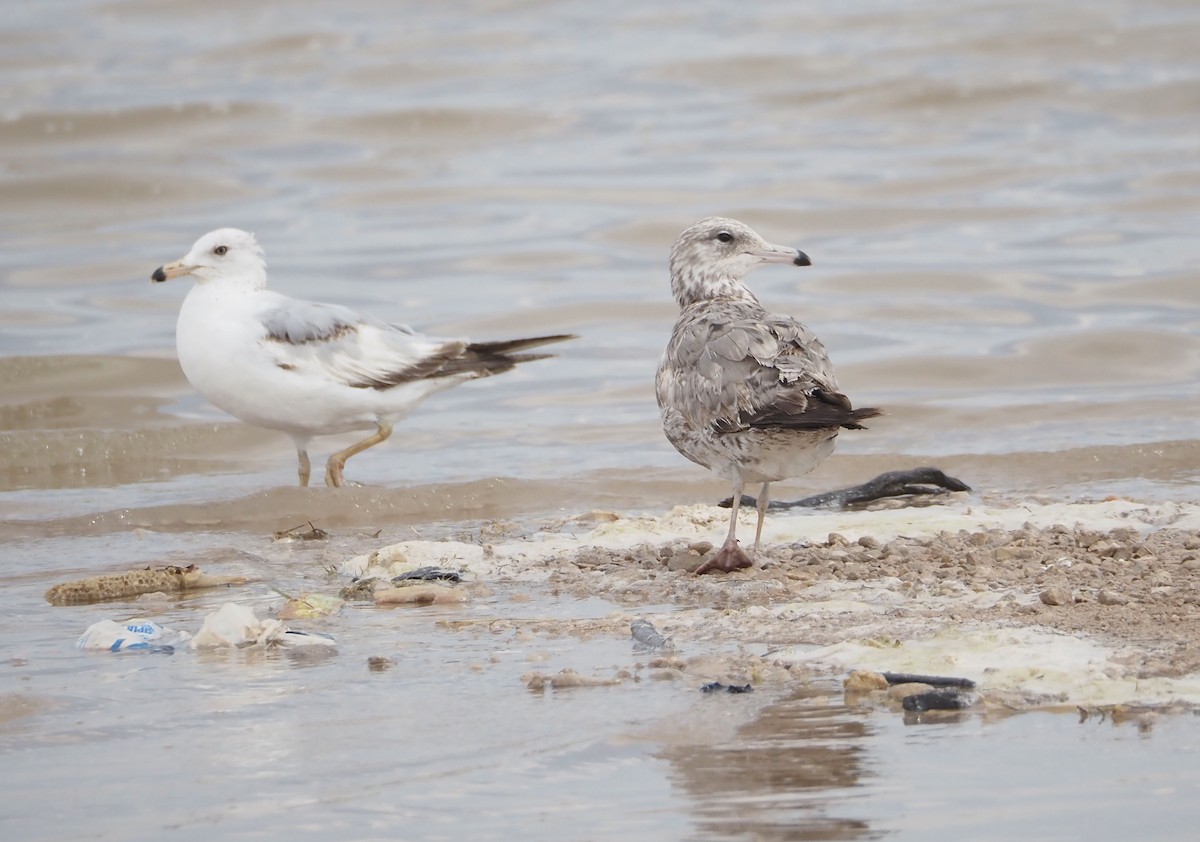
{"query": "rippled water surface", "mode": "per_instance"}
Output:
(1001, 202)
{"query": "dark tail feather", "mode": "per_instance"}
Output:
(857, 415)
(456, 358)
(484, 359)
(818, 411)
(507, 346)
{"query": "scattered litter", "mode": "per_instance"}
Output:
(133, 583)
(236, 626)
(132, 636)
(717, 687)
(299, 533)
(310, 606)
(360, 590)
(914, 693)
(429, 574)
(931, 680)
(936, 700)
(409, 556)
(420, 595)
(379, 663)
(646, 638)
(298, 638)
(1143, 716)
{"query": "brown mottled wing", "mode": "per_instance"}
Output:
(731, 371)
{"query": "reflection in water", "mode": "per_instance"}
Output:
(1000, 200)
(936, 717)
(787, 775)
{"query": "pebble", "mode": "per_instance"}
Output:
(897, 692)
(1056, 595)
(420, 595)
(566, 678)
(862, 681)
(1160, 578)
(687, 560)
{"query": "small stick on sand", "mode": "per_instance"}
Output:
(931, 680)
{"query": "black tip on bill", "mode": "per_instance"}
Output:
(801, 260)
(159, 275)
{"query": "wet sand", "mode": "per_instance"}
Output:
(934, 589)
(539, 684)
(1000, 201)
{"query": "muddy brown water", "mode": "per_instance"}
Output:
(1000, 200)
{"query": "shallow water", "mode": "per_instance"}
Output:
(1000, 200)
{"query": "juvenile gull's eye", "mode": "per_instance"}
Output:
(219, 251)
(725, 237)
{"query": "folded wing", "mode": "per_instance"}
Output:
(364, 353)
(756, 373)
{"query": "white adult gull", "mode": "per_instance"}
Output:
(748, 394)
(305, 368)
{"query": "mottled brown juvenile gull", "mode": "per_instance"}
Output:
(748, 394)
(311, 369)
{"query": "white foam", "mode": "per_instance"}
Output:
(1032, 662)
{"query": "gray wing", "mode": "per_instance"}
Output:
(350, 348)
(295, 322)
(737, 373)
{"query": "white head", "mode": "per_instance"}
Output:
(710, 258)
(226, 255)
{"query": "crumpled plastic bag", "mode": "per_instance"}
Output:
(233, 626)
(236, 626)
(131, 636)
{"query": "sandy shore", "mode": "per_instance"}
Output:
(1042, 603)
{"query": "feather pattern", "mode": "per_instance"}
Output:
(308, 368)
(749, 394)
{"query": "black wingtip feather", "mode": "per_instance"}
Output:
(858, 415)
(829, 410)
(476, 359)
(507, 346)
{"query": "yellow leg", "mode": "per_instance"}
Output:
(337, 462)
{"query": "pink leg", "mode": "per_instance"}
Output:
(730, 557)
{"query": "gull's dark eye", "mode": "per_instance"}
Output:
(219, 251)
(725, 237)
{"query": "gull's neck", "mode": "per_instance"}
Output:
(246, 279)
(691, 286)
